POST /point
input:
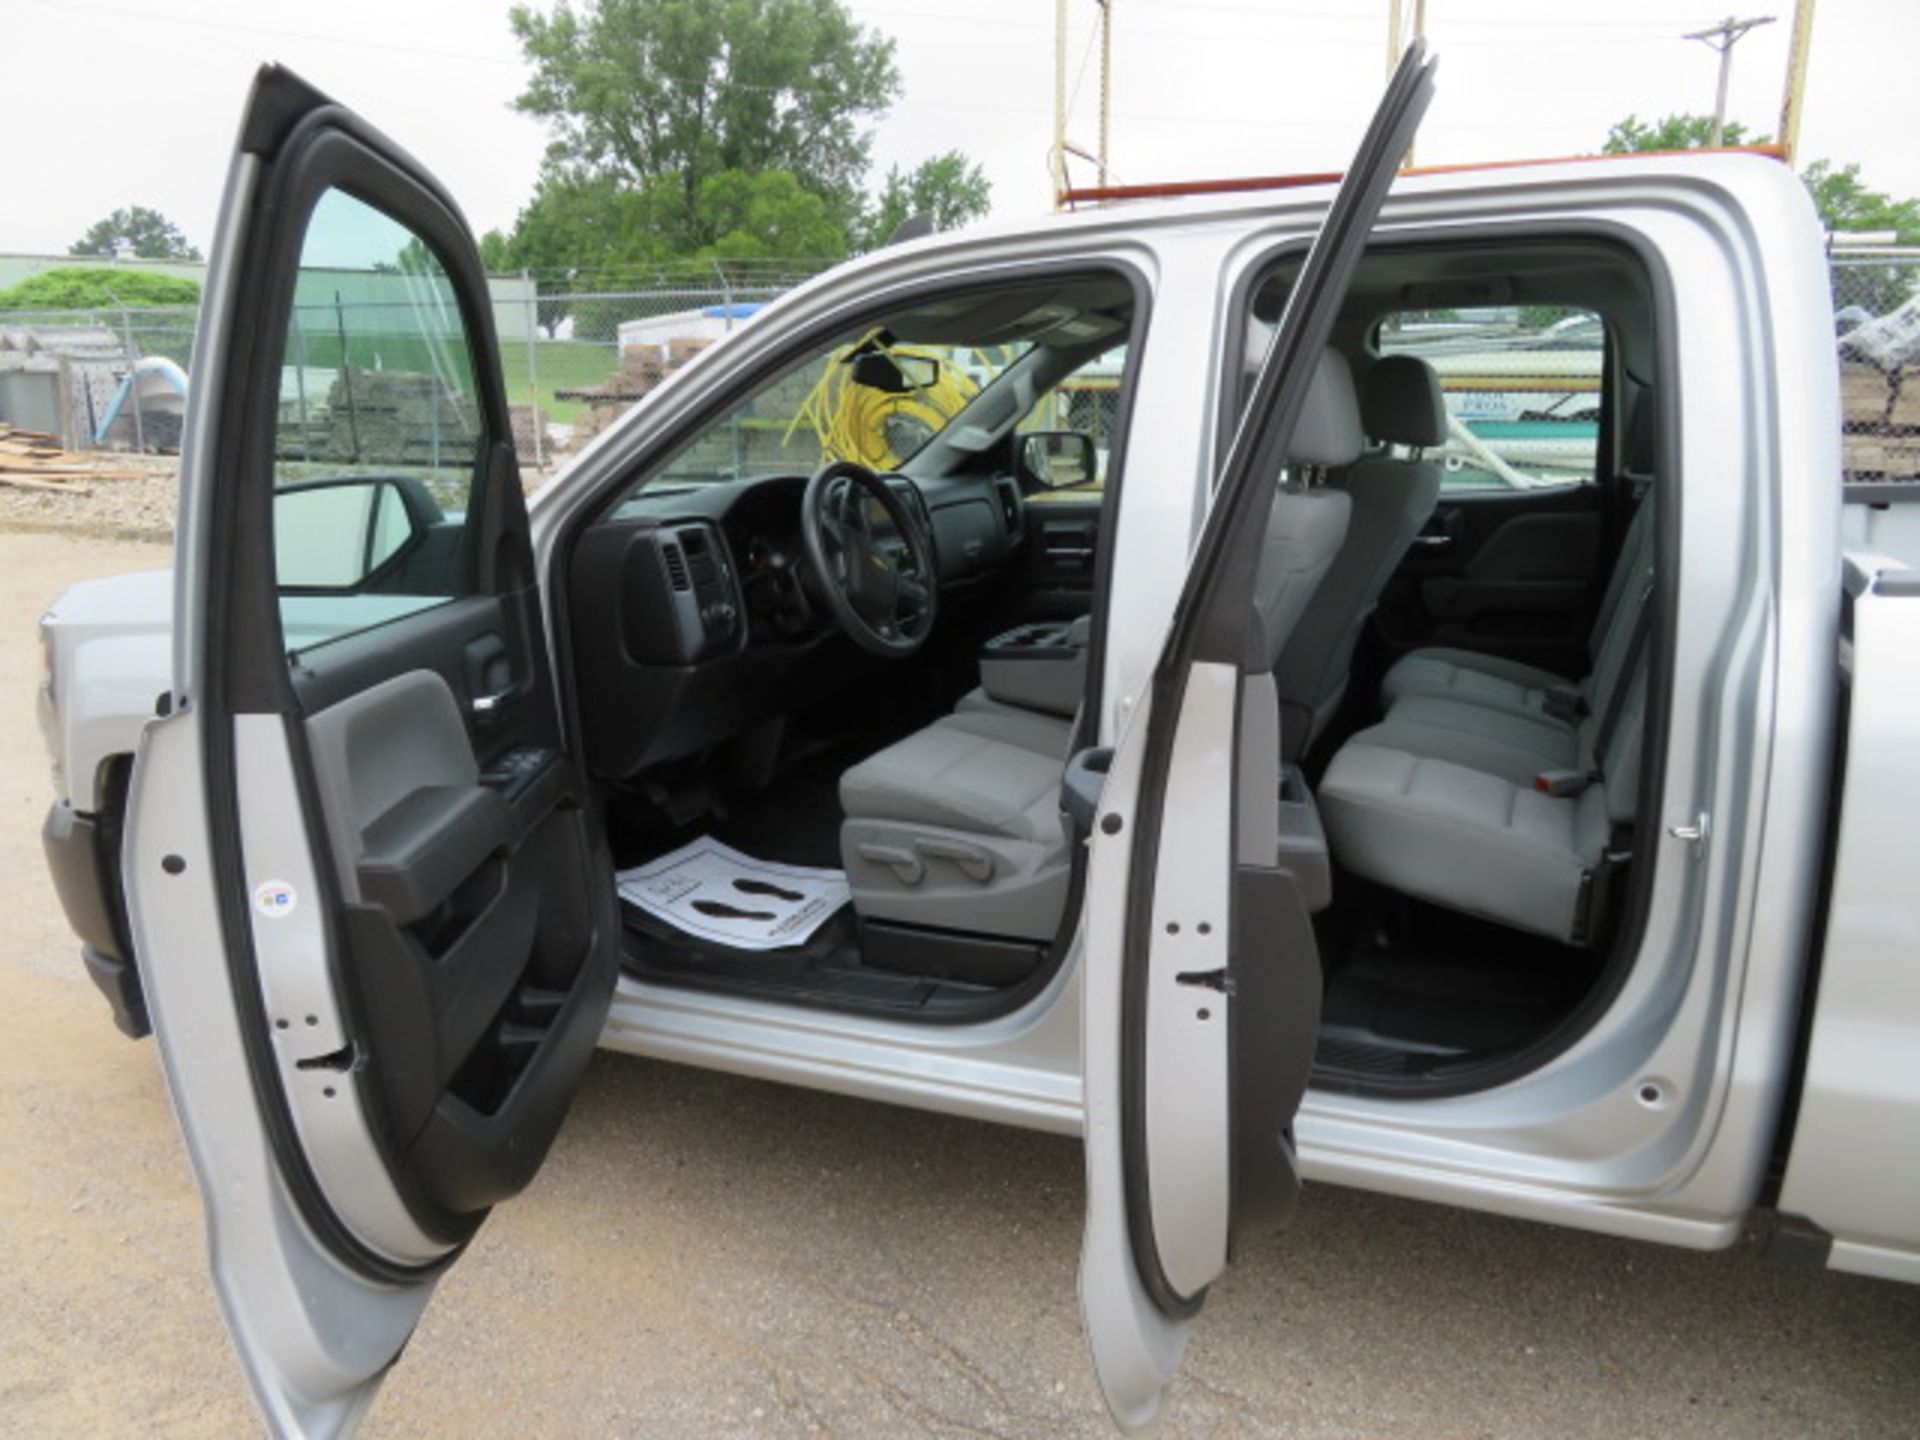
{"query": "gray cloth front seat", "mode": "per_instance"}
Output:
(1392, 496)
(958, 826)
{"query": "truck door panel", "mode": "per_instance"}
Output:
(1511, 573)
(1055, 580)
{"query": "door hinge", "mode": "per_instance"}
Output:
(1696, 835)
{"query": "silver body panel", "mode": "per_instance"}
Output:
(1855, 1165)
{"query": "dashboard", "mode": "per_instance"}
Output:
(694, 613)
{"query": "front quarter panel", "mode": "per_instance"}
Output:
(110, 649)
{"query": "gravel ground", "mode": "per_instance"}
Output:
(132, 509)
(710, 1256)
(138, 508)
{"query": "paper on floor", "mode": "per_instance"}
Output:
(713, 892)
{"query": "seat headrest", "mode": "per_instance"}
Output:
(1329, 431)
(1402, 404)
(1637, 456)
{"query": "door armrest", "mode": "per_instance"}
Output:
(1081, 787)
(422, 849)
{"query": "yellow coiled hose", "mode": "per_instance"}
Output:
(872, 427)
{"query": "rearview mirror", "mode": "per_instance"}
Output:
(341, 534)
(1059, 459)
(893, 374)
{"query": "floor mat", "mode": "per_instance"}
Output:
(715, 893)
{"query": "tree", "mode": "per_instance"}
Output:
(573, 231)
(496, 253)
(1839, 194)
(1845, 203)
(138, 231)
(1674, 132)
(94, 287)
(640, 91)
(950, 189)
(765, 216)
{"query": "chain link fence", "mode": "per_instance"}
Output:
(1876, 307)
(575, 350)
(578, 349)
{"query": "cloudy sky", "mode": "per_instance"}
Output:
(116, 102)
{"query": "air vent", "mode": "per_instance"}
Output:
(1009, 506)
(676, 564)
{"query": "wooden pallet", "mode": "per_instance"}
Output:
(35, 460)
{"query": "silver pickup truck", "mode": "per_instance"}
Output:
(1220, 681)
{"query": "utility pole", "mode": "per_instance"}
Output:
(1396, 35)
(1723, 37)
(1059, 156)
(1106, 81)
(1794, 99)
(1419, 33)
(1062, 147)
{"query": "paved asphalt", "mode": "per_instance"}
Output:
(711, 1256)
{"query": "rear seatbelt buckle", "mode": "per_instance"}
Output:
(1561, 784)
(1568, 706)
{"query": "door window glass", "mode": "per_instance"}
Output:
(1086, 403)
(378, 437)
(1522, 386)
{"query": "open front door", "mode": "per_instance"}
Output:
(373, 906)
(1202, 985)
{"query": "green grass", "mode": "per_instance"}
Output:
(558, 365)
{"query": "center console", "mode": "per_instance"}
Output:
(1042, 666)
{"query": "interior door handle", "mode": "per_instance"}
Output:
(1433, 542)
(492, 704)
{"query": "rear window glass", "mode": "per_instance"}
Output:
(1522, 386)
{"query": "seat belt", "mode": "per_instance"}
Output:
(1623, 682)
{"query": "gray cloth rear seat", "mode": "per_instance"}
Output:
(1516, 689)
(1486, 843)
(1514, 747)
(1450, 797)
(1501, 723)
(1507, 685)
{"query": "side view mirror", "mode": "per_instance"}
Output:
(1059, 459)
(341, 534)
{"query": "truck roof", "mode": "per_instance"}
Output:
(1237, 185)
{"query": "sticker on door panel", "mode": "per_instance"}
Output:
(275, 899)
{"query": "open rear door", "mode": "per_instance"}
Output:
(374, 911)
(1202, 984)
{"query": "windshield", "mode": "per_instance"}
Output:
(870, 398)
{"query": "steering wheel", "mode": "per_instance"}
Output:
(884, 600)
